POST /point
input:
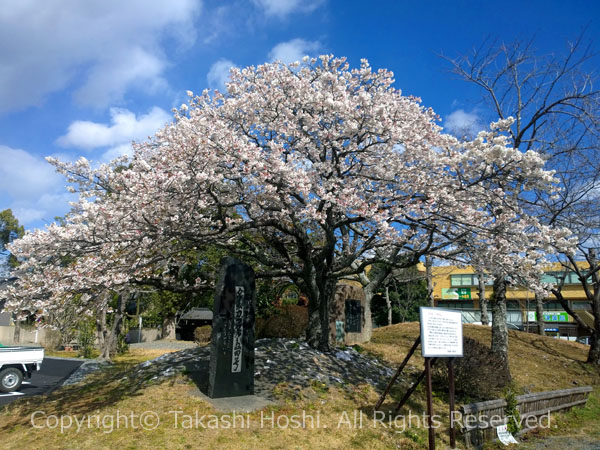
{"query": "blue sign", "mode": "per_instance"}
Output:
(550, 329)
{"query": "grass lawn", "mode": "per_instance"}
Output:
(107, 412)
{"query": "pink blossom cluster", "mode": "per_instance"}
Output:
(312, 169)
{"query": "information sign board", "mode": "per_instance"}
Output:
(441, 332)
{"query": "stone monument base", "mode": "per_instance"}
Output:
(240, 404)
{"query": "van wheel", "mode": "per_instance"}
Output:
(10, 379)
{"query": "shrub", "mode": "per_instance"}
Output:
(122, 344)
(478, 375)
(202, 334)
(86, 335)
(289, 321)
(512, 411)
(52, 339)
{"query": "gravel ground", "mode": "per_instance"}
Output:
(563, 443)
(276, 361)
(84, 370)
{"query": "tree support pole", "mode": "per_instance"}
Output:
(413, 388)
(398, 372)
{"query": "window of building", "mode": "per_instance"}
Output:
(582, 306)
(557, 278)
(467, 279)
(553, 306)
(456, 305)
(461, 280)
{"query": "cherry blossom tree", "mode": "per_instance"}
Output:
(312, 170)
(556, 106)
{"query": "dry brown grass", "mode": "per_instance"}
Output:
(544, 363)
(537, 363)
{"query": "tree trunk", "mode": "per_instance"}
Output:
(388, 303)
(320, 298)
(367, 330)
(429, 275)
(539, 312)
(110, 343)
(499, 328)
(168, 327)
(594, 353)
(101, 326)
(313, 328)
(327, 295)
(483, 302)
(17, 333)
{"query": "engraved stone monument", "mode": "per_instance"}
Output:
(231, 371)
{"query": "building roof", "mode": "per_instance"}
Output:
(197, 314)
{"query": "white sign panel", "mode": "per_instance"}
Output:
(441, 332)
(505, 436)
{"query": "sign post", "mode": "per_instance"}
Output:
(429, 404)
(451, 395)
(441, 337)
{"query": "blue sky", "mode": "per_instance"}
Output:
(85, 78)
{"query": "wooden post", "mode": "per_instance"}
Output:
(429, 404)
(398, 372)
(451, 394)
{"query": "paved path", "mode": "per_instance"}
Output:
(53, 372)
(163, 345)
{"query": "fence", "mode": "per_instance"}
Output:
(477, 420)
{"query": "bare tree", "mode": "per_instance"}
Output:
(556, 109)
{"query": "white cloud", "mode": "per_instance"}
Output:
(463, 123)
(43, 210)
(113, 45)
(218, 74)
(293, 50)
(110, 78)
(115, 152)
(25, 176)
(36, 193)
(31, 187)
(283, 8)
(124, 128)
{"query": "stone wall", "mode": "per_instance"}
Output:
(148, 335)
(5, 319)
(27, 336)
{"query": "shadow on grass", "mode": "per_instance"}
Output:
(543, 344)
(105, 388)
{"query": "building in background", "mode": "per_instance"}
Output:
(457, 288)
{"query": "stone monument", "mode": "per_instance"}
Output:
(231, 370)
(351, 321)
